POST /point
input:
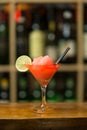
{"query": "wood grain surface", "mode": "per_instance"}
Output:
(59, 116)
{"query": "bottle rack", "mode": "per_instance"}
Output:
(78, 67)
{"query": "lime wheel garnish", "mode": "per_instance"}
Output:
(21, 63)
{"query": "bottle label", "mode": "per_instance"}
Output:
(36, 43)
(63, 44)
(66, 30)
(71, 44)
(52, 52)
(61, 47)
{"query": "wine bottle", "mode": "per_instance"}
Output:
(60, 86)
(22, 88)
(69, 93)
(4, 37)
(4, 88)
(67, 32)
(85, 34)
(85, 87)
(21, 35)
(37, 34)
(36, 93)
(51, 48)
(51, 91)
(34, 89)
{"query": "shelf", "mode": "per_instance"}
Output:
(63, 67)
(80, 67)
(4, 68)
(4, 1)
(71, 68)
(44, 1)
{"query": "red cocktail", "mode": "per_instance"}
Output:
(43, 69)
(43, 73)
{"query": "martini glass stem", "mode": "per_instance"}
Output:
(43, 89)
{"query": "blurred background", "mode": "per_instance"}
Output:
(43, 28)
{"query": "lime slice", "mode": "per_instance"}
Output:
(21, 63)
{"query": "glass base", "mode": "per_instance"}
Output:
(47, 109)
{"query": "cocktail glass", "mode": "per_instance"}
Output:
(43, 74)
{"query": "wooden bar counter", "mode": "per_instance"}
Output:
(65, 116)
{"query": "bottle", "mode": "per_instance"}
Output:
(69, 94)
(4, 88)
(60, 85)
(51, 48)
(4, 35)
(85, 34)
(85, 87)
(51, 91)
(37, 34)
(21, 35)
(36, 93)
(67, 35)
(34, 89)
(22, 88)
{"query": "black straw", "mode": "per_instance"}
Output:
(62, 56)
